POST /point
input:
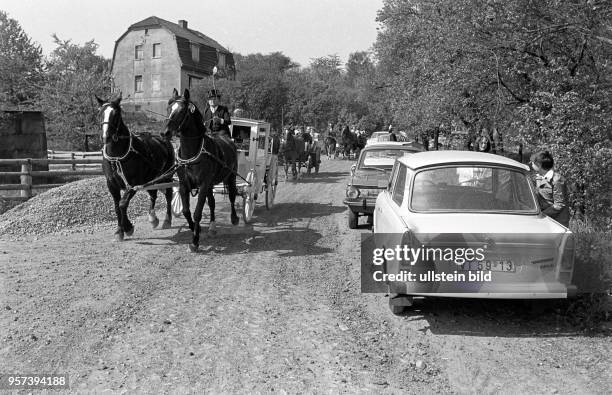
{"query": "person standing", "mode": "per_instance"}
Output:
(217, 117)
(551, 188)
(392, 136)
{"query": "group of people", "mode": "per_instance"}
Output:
(550, 185)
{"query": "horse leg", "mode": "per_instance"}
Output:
(116, 194)
(153, 220)
(233, 192)
(197, 217)
(184, 192)
(127, 226)
(212, 227)
(168, 220)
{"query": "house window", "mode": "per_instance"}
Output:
(193, 81)
(195, 52)
(156, 82)
(157, 50)
(138, 52)
(138, 83)
(221, 60)
(137, 108)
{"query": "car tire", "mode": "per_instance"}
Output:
(352, 219)
(399, 304)
(397, 310)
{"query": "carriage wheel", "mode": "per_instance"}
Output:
(272, 183)
(248, 199)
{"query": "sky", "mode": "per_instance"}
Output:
(301, 29)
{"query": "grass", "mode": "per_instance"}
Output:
(592, 276)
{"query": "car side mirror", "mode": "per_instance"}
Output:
(353, 168)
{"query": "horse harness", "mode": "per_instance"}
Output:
(117, 166)
(203, 151)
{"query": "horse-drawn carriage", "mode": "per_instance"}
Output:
(257, 164)
(207, 164)
(299, 151)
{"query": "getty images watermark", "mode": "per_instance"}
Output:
(431, 263)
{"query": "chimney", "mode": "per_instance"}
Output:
(183, 23)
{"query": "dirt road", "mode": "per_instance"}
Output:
(272, 307)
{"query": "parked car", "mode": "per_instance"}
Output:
(465, 198)
(378, 137)
(370, 175)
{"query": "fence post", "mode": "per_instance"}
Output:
(26, 179)
(73, 164)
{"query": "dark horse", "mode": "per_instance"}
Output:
(130, 161)
(330, 147)
(292, 152)
(349, 142)
(204, 162)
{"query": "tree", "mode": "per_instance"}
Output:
(260, 86)
(75, 73)
(20, 63)
(538, 71)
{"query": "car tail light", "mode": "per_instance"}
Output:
(352, 192)
(567, 260)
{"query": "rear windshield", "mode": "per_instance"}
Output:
(472, 189)
(382, 158)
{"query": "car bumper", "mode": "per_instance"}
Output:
(505, 289)
(361, 205)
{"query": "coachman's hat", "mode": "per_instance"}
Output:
(213, 93)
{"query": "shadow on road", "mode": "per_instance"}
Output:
(295, 212)
(322, 177)
(493, 318)
(283, 231)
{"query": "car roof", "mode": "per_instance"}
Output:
(393, 144)
(437, 158)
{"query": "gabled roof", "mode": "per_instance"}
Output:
(440, 158)
(177, 30)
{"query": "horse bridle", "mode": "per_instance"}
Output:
(187, 110)
(112, 129)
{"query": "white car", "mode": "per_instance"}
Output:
(471, 201)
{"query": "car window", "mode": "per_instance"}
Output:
(472, 188)
(392, 178)
(382, 158)
(399, 187)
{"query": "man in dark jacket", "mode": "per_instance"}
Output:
(217, 117)
(550, 185)
(392, 136)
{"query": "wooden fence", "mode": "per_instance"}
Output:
(61, 163)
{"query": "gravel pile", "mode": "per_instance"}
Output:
(72, 208)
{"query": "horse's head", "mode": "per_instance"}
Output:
(180, 110)
(111, 121)
(288, 135)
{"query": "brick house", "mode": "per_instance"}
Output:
(154, 56)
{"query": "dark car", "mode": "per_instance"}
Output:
(370, 176)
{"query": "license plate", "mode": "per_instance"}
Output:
(494, 265)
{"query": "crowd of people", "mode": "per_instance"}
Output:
(549, 183)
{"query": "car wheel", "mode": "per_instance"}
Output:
(352, 219)
(399, 304)
(396, 310)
